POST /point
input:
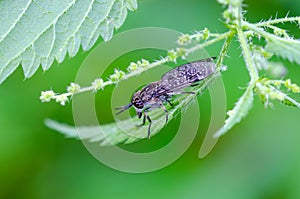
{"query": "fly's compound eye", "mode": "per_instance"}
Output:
(138, 103)
(136, 100)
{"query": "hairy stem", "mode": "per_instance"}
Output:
(224, 50)
(245, 47)
(219, 38)
(275, 21)
(247, 55)
(260, 31)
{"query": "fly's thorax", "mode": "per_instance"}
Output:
(151, 91)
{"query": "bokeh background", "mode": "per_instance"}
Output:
(259, 158)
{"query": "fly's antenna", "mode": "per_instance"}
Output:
(123, 108)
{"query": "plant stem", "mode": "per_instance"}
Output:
(297, 104)
(224, 50)
(247, 54)
(261, 32)
(245, 47)
(275, 21)
(203, 45)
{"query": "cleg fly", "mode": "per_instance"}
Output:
(155, 94)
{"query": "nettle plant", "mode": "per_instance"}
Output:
(258, 43)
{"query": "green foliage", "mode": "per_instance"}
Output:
(34, 33)
(239, 111)
(270, 90)
(279, 43)
(256, 56)
(286, 48)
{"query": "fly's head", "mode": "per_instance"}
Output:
(138, 103)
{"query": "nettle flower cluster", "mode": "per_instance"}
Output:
(271, 90)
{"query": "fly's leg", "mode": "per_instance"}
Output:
(169, 102)
(181, 92)
(165, 110)
(167, 99)
(144, 118)
(150, 122)
(144, 121)
(196, 84)
(185, 92)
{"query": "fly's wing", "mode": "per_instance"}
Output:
(187, 74)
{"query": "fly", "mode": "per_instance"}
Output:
(155, 94)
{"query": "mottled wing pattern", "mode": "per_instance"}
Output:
(186, 75)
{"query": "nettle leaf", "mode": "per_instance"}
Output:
(123, 131)
(35, 33)
(286, 48)
(239, 111)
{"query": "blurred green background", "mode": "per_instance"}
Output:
(259, 158)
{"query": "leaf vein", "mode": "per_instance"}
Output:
(54, 21)
(97, 25)
(82, 21)
(14, 24)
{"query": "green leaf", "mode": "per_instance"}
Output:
(111, 134)
(131, 5)
(289, 103)
(34, 33)
(286, 48)
(240, 110)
